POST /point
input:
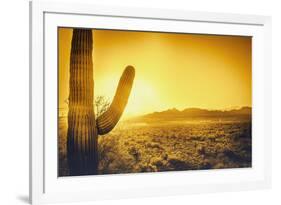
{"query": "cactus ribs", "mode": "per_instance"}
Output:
(83, 127)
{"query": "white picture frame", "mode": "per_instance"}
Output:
(46, 187)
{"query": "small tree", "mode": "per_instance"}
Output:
(101, 105)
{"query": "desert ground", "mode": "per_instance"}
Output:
(154, 146)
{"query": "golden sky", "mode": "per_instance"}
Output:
(172, 70)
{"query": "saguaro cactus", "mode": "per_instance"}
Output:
(83, 127)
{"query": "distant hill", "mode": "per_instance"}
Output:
(197, 113)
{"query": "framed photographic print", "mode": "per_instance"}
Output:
(129, 102)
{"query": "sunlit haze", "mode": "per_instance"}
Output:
(172, 70)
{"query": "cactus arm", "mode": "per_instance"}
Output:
(107, 121)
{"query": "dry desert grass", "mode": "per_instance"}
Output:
(169, 146)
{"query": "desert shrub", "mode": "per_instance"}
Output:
(179, 164)
(107, 152)
(153, 145)
(232, 156)
(159, 162)
(201, 150)
(135, 153)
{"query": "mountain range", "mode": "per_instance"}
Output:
(197, 113)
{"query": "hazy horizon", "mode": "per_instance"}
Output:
(138, 115)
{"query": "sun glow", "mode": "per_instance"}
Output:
(143, 95)
(143, 98)
(172, 70)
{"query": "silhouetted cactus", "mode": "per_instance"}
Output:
(83, 128)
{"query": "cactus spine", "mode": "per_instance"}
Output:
(83, 128)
